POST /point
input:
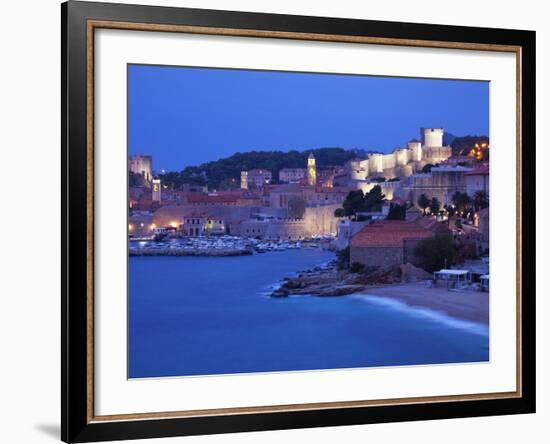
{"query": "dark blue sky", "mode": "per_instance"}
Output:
(187, 116)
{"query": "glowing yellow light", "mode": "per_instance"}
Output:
(174, 224)
(153, 226)
(130, 227)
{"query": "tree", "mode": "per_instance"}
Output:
(435, 253)
(462, 146)
(339, 212)
(353, 202)
(214, 172)
(423, 202)
(356, 202)
(296, 207)
(481, 200)
(450, 210)
(461, 201)
(357, 267)
(342, 258)
(434, 205)
(427, 168)
(229, 184)
(374, 199)
(397, 212)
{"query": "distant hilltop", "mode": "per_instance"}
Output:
(225, 173)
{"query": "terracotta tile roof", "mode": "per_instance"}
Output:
(389, 233)
(432, 224)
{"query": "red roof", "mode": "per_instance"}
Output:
(432, 224)
(389, 233)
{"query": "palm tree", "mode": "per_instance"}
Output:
(434, 205)
(461, 200)
(423, 202)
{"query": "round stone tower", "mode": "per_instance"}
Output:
(416, 150)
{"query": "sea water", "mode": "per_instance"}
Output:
(213, 315)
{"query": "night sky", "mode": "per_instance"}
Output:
(187, 116)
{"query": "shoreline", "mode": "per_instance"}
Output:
(405, 284)
(472, 306)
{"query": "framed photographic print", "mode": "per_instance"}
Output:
(276, 221)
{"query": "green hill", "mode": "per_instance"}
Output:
(462, 145)
(224, 173)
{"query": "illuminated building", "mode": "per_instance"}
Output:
(311, 171)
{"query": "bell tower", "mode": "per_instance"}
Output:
(311, 170)
(244, 180)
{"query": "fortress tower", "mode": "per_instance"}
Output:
(311, 170)
(143, 165)
(432, 137)
(416, 150)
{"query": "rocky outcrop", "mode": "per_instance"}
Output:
(410, 273)
(333, 282)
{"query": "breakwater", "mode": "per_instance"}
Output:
(189, 251)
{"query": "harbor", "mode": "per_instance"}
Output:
(217, 246)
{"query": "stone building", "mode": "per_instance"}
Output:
(402, 162)
(140, 224)
(387, 243)
(441, 183)
(175, 215)
(202, 224)
(316, 221)
(280, 195)
(477, 180)
(142, 165)
(346, 229)
(292, 175)
(256, 178)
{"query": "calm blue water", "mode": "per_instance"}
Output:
(204, 315)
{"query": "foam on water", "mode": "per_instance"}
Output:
(426, 313)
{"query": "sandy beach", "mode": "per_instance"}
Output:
(466, 305)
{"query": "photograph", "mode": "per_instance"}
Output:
(283, 221)
(294, 220)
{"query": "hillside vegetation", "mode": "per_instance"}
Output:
(223, 173)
